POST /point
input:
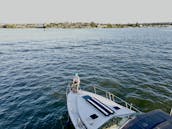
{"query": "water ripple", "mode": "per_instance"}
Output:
(134, 64)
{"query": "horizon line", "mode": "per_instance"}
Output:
(89, 22)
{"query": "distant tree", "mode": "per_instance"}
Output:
(9, 26)
(92, 24)
(109, 26)
(137, 24)
(44, 26)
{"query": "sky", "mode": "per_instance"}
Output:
(100, 11)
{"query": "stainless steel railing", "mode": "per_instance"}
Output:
(116, 99)
(112, 97)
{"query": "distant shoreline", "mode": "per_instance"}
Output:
(71, 25)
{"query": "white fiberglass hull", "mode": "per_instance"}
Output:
(93, 113)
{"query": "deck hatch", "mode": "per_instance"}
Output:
(116, 108)
(94, 116)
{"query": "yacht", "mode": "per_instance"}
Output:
(100, 109)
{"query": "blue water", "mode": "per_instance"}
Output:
(36, 65)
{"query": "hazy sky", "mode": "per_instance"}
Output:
(102, 11)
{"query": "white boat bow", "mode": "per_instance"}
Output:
(89, 110)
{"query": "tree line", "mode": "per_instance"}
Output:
(85, 25)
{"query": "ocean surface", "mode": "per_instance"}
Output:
(36, 65)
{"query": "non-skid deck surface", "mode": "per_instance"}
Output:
(99, 105)
(95, 110)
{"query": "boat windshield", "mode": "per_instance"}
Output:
(115, 122)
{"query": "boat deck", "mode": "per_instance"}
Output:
(89, 110)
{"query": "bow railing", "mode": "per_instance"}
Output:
(116, 99)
